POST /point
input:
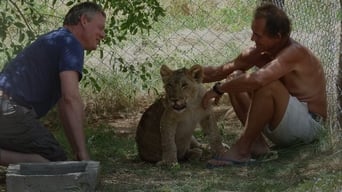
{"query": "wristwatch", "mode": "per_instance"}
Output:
(216, 90)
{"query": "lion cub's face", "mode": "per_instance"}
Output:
(181, 86)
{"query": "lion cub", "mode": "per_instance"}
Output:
(165, 131)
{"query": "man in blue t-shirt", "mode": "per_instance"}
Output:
(44, 74)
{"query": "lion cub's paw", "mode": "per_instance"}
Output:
(194, 154)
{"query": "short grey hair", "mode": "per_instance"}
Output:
(87, 8)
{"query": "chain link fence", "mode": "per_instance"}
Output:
(319, 29)
(211, 32)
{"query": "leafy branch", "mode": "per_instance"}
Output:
(21, 15)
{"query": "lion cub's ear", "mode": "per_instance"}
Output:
(196, 72)
(165, 72)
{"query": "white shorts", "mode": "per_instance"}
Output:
(296, 126)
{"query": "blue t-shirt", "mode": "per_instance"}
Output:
(32, 77)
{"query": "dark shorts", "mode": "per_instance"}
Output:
(20, 131)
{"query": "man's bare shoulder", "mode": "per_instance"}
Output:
(252, 56)
(298, 57)
(295, 50)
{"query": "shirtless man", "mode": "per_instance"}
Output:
(284, 99)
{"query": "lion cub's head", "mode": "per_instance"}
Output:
(181, 86)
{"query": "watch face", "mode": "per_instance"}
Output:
(216, 90)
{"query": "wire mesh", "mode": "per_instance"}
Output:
(211, 32)
(213, 40)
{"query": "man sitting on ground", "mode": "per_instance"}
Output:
(284, 99)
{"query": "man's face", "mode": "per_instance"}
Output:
(93, 31)
(263, 42)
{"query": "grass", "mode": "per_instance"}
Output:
(313, 167)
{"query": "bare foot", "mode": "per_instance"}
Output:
(232, 156)
(258, 151)
(259, 147)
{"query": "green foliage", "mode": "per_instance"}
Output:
(144, 75)
(91, 80)
(17, 23)
(128, 17)
(234, 20)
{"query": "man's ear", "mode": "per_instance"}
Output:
(84, 20)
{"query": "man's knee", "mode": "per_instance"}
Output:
(275, 88)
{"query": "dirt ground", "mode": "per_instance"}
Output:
(124, 125)
(129, 171)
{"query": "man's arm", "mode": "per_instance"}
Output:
(216, 73)
(242, 62)
(70, 108)
(283, 64)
